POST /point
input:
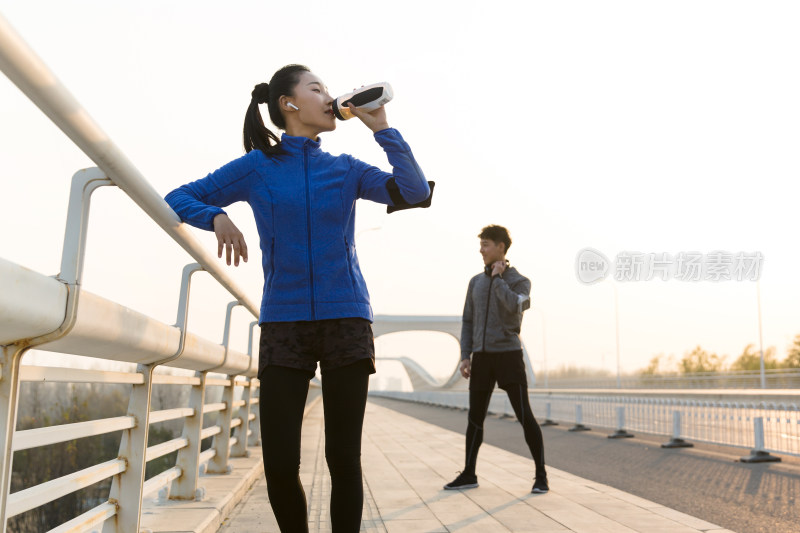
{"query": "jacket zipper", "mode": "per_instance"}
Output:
(308, 233)
(486, 318)
(350, 267)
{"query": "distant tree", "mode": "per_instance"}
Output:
(751, 359)
(699, 360)
(793, 355)
(659, 365)
(652, 367)
(577, 372)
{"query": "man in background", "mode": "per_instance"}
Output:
(491, 352)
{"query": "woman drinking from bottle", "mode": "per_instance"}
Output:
(315, 305)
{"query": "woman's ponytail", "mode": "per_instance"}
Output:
(256, 135)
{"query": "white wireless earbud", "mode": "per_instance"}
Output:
(293, 106)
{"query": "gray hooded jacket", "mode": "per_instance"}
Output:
(493, 313)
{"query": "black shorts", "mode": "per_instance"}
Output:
(334, 343)
(503, 368)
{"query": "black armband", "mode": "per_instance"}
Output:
(400, 202)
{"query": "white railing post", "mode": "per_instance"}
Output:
(676, 441)
(579, 420)
(185, 487)
(620, 433)
(548, 416)
(126, 487)
(759, 454)
(84, 183)
(242, 432)
(10, 358)
(254, 429)
(222, 440)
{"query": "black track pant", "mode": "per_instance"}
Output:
(479, 405)
(283, 396)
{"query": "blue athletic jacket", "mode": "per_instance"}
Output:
(304, 206)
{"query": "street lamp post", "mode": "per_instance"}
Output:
(544, 346)
(616, 324)
(760, 336)
(616, 330)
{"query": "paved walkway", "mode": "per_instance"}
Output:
(406, 462)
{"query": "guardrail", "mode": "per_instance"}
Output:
(784, 378)
(764, 421)
(56, 314)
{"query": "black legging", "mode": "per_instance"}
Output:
(283, 396)
(479, 405)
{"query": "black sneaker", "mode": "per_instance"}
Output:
(540, 486)
(463, 481)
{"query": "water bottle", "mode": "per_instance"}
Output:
(368, 98)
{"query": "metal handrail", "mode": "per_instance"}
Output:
(28, 72)
(775, 378)
(84, 335)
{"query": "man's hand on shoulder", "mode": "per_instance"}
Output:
(498, 267)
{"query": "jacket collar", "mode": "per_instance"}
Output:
(295, 145)
(487, 269)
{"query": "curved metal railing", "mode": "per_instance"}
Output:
(57, 314)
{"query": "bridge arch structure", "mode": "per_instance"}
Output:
(449, 324)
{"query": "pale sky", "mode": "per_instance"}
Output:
(656, 127)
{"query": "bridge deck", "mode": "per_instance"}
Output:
(406, 462)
